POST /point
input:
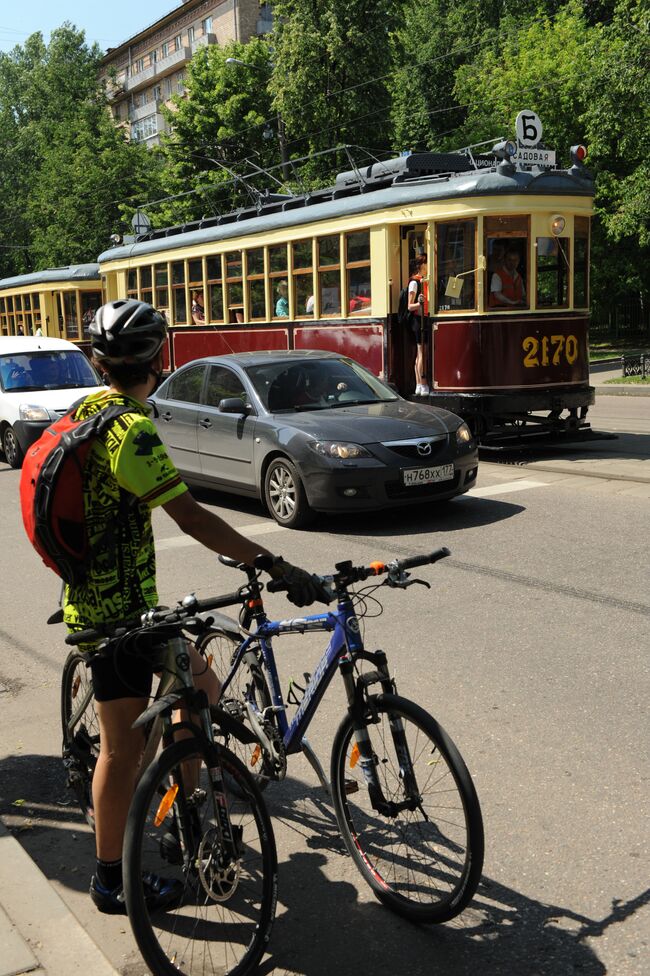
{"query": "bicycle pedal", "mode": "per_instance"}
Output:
(350, 786)
(170, 848)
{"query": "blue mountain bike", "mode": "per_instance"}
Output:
(405, 803)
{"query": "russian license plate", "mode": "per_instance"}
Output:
(428, 476)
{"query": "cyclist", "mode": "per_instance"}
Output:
(127, 474)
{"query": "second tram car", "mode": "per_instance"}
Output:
(58, 302)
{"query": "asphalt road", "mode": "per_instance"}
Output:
(530, 649)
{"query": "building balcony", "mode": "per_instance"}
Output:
(150, 108)
(203, 41)
(161, 68)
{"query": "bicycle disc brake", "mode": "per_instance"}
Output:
(219, 876)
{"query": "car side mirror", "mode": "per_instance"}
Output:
(233, 405)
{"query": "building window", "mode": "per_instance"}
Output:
(329, 275)
(139, 66)
(206, 25)
(455, 273)
(168, 87)
(157, 93)
(144, 128)
(164, 51)
(190, 35)
(177, 43)
(357, 263)
(152, 57)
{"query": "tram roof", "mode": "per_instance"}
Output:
(355, 196)
(74, 272)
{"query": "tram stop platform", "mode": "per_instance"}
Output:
(39, 934)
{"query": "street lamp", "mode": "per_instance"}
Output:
(286, 169)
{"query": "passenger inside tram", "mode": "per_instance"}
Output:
(507, 285)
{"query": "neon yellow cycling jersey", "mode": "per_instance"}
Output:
(127, 474)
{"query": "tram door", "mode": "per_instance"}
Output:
(413, 244)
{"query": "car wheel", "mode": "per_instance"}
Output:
(12, 449)
(285, 496)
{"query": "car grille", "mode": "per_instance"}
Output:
(409, 449)
(395, 489)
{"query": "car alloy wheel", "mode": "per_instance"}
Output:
(285, 496)
(11, 448)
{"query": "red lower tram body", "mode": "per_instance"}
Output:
(509, 376)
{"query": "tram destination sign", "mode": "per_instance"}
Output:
(534, 156)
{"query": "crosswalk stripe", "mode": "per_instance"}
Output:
(521, 485)
(181, 541)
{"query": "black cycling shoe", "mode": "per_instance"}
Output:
(159, 893)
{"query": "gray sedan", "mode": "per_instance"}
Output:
(309, 431)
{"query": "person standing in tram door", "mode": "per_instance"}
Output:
(418, 306)
(507, 286)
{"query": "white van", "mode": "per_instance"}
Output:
(40, 379)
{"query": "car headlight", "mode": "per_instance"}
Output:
(463, 434)
(339, 449)
(28, 411)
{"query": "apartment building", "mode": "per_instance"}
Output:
(147, 69)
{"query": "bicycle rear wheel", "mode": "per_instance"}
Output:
(222, 920)
(248, 683)
(80, 727)
(422, 857)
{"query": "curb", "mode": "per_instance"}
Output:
(38, 932)
(614, 389)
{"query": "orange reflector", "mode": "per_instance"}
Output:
(377, 567)
(257, 752)
(210, 660)
(254, 603)
(75, 686)
(354, 756)
(165, 805)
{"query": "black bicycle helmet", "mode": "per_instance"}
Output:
(127, 331)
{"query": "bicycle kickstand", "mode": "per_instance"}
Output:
(315, 763)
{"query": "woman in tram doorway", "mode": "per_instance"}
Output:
(418, 306)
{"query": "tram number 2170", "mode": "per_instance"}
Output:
(550, 350)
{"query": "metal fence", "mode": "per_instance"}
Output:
(624, 320)
(636, 366)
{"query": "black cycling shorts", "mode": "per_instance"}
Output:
(128, 677)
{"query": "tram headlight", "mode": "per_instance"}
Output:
(558, 223)
(463, 434)
(578, 154)
(339, 449)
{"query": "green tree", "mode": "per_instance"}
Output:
(330, 80)
(223, 128)
(66, 172)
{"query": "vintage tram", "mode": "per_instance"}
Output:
(57, 302)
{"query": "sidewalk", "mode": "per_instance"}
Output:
(599, 373)
(38, 933)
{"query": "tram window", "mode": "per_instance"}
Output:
(329, 275)
(357, 247)
(303, 279)
(552, 272)
(36, 302)
(132, 283)
(179, 303)
(161, 275)
(581, 263)
(455, 265)
(278, 259)
(146, 290)
(215, 289)
(255, 283)
(235, 286)
(90, 302)
(70, 315)
(506, 249)
(197, 298)
(3, 316)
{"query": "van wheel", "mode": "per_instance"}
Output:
(285, 496)
(12, 449)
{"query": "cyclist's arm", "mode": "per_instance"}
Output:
(210, 530)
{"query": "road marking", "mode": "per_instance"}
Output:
(256, 528)
(522, 485)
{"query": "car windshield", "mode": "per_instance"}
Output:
(55, 370)
(316, 385)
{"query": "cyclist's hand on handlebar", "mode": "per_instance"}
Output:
(303, 588)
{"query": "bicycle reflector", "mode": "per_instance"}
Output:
(165, 805)
(377, 567)
(354, 756)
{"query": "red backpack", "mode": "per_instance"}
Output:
(51, 490)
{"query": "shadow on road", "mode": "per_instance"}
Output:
(322, 927)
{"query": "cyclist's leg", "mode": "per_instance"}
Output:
(115, 772)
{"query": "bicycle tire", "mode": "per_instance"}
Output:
(219, 647)
(80, 728)
(181, 940)
(440, 879)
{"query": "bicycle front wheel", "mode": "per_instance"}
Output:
(422, 852)
(248, 684)
(220, 918)
(80, 727)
